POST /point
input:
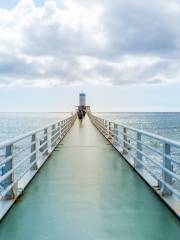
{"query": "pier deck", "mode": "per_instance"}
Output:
(87, 191)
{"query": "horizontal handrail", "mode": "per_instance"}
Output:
(145, 145)
(134, 142)
(155, 176)
(154, 162)
(152, 149)
(41, 143)
(28, 134)
(145, 133)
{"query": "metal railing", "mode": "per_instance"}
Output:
(21, 157)
(157, 156)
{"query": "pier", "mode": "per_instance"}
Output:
(85, 190)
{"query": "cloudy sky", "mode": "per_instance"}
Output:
(124, 54)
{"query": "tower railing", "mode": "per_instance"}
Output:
(155, 158)
(22, 157)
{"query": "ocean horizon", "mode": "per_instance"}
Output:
(167, 124)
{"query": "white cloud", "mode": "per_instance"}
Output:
(127, 42)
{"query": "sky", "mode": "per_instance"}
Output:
(125, 55)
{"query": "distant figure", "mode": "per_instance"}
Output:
(84, 113)
(80, 114)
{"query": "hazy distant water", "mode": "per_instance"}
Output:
(15, 124)
(164, 124)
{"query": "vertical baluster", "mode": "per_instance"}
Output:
(101, 125)
(53, 131)
(37, 151)
(168, 165)
(106, 128)
(110, 131)
(46, 146)
(68, 125)
(59, 131)
(65, 126)
(116, 135)
(62, 130)
(33, 158)
(62, 126)
(49, 140)
(124, 144)
(5, 169)
(139, 148)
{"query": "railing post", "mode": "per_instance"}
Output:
(62, 129)
(106, 127)
(5, 169)
(53, 131)
(59, 131)
(116, 135)
(64, 126)
(33, 158)
(49, 140)
(124, 144)
(110, 131)
(46, 146)
(68, 125)
(139, 150)
(103, 126)
(168, 165)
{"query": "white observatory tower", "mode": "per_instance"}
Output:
(82, 103)
(82, 99)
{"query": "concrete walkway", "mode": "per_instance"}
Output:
(86, 191)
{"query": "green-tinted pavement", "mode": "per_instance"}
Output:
(86, 191)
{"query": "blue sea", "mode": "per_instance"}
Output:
(164, 124)
(15, 124)
(161, 123)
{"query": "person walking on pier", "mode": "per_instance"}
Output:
(80, 114)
